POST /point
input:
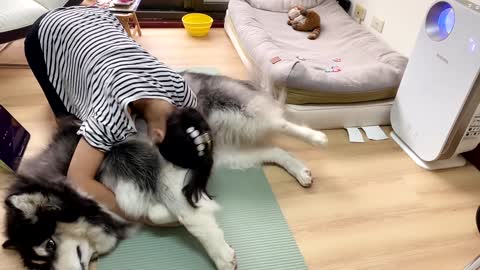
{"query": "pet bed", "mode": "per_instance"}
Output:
(360, 93)
(345, 64)
(252, 222)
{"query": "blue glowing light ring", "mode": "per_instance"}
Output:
(440, 21)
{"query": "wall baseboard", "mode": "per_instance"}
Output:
(145, 23)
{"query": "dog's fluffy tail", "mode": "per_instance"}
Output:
(64, 141)
(55, 158)
(67, 127)
(279, 94)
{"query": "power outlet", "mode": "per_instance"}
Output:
(359, 13)
(377, 24)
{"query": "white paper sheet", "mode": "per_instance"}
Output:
(375, 133)
(354, 135)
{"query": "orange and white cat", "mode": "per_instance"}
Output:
(302, 19)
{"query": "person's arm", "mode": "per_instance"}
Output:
(84, 165)
(85, 162)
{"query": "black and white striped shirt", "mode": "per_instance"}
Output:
(97, 70)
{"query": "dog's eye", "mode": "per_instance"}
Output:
(50, 246)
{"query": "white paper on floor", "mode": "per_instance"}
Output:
(354, 135)
(375, 133)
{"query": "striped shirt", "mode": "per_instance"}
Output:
(97, 71)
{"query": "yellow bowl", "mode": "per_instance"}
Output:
(197, 24)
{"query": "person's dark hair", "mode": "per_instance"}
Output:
(188, 144)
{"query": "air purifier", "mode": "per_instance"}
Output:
(436, 114)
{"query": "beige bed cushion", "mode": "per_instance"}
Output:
(302, 97)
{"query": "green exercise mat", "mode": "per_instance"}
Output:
(252, 222)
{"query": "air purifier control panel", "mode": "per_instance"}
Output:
(473, 129)
(471, 137)
(472, 4)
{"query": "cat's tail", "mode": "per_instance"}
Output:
(315, 33)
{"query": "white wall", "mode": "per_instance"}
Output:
(403, 19)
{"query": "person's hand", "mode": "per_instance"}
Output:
(88, 3)
(157, 130)
(155, 112)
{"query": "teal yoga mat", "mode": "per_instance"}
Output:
(252, 222)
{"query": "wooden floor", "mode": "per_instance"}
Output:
(370, 207)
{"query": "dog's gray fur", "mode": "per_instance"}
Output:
(241, 117)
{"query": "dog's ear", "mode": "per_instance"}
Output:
(8, 244)
(29, 204)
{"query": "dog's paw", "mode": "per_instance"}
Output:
(226, 260)
(319, 138)
(304, 177)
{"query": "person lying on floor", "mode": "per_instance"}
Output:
(88, 67)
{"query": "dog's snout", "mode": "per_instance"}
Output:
(73, 254)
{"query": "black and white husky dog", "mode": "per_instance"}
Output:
(54, 226)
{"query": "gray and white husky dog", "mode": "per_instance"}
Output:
(55, 226)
